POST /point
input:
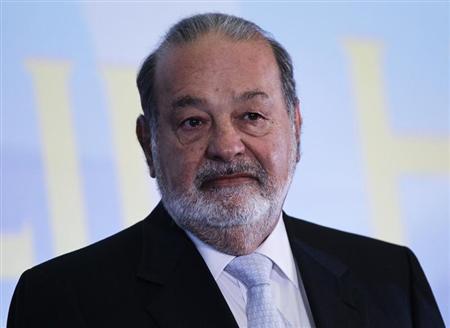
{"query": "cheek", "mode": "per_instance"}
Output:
(180, 163)
(275, 155)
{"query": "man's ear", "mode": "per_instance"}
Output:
(144, 135)
(298, 127)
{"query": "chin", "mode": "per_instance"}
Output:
(235, 225)
(236, 240)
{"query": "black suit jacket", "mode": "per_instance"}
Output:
(151, 275)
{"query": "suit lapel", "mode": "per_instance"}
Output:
(180, 290)
(332, 294)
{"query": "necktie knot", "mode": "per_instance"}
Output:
(252, 270)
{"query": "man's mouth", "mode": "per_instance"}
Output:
(229, 180)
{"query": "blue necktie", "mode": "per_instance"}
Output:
(254, 272)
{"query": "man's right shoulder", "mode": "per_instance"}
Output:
(49, 293)
(98, 285)
(100, 257)
(104, 256)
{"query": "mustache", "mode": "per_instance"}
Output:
(212, 170)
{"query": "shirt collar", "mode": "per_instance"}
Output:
(215, 260)
(276, 247)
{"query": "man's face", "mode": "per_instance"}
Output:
(225, 148)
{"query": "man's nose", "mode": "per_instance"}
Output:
(225, 143)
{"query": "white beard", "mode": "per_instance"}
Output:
(231, 219)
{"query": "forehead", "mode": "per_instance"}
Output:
(215, 64)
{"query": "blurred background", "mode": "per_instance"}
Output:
(373, 81)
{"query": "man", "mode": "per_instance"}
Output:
(221, 134)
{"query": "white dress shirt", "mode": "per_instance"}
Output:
(287, 288)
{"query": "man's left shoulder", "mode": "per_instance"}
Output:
(322, 236)
(364, 255)
(386, 277)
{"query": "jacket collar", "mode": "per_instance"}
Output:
(332, 293)
(180, 291)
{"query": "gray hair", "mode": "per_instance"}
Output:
(190, 29)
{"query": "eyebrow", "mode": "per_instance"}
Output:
(248, 95)
(190, 101)
(187, 101)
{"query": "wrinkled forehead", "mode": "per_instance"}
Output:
(216, 60)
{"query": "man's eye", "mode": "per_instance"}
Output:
(191, 123)
(253, 116)
(254, 123)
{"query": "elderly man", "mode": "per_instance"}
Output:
(221, 134)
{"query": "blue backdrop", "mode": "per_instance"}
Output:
(373, 82)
